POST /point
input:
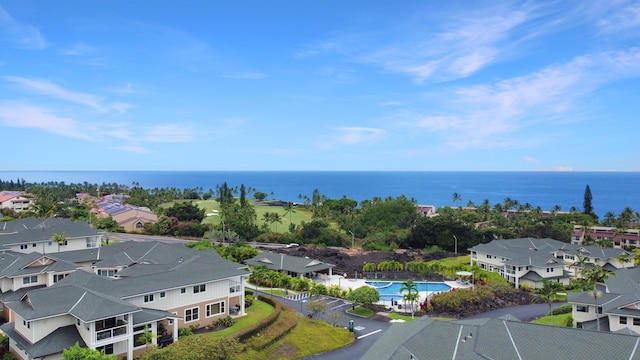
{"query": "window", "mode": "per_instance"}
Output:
(581, 308)
(489, 256)
(163, 294)
(599, 309)
(183, 290)
(29, 280)
(33, 245)
(215, 309)
(107, 349)
(26, 324)
(191, 314)
(58, 277)
(199, 288)
(107, 273)
(623, 320)
(23, 246)
(636, 321)
(148, 298)
(234, 288)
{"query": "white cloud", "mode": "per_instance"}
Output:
(33, 117)
(127, 89)
(557, 168)
(47, 88)
(132, 148)
(357, 135)
(490, 115)
(120, 107)
(530, 159)
(625, 18)
(167, 133)
(78, 49)
(25, 35)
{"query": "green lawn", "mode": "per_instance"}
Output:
(558, 320)
(396, 316)
(297, 217)
(361, 311)
(308, 338)
(255, 313)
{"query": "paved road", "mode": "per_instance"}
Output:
(360, 346)
(367, 331)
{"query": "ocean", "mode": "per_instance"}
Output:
(612, 191)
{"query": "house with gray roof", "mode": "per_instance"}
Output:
(615, 306)
(295, 266)
(34, 235)
(526, 261)
(109, 295)
(498, 339)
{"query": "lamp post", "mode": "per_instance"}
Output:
(353, 243)
(456, 244)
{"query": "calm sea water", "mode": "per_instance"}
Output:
(612, 191)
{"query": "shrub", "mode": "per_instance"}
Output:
(562, 309)
(184, 332)
(197, 348)
(248, 301)
(247, 333)
(287, 320)
(569, 322)
(226, 322)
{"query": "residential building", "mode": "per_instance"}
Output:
(15, 200)
(427, 210)
(34, 235)
(131, 218)
(498, 339)
(617, 304)
(291, 265)
(105, 298)
(620, 238)
(528, 260)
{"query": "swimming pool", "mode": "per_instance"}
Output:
(391, 289)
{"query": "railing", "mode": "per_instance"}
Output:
(109, 333)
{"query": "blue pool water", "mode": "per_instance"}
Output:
(391, 289)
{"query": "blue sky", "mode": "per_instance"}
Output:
(323, 85)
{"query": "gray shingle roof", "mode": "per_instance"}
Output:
(30, 230)
(154, 266)
(498, 339)
(54, 343)
(276, 261)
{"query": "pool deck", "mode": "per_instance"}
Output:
(346, 283)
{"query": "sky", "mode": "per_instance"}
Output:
(320, 85)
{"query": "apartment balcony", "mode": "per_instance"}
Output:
(110, 328)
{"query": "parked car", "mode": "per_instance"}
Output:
(292, 245)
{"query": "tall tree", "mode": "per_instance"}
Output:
(595, 275)
(412, 293)
(549, 293)
(588, 207)
(59, 238)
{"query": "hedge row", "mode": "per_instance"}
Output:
(286, 322)
(247, 333)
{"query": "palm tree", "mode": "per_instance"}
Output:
(289, 209)
(596, 275)
(579, 263)
(549, 293)
(456, 198)
(412, 295)
(59, 239)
